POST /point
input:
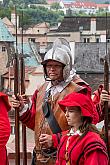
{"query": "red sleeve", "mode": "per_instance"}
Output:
(6, 101)
(96, 158)
(56, 140)
(97, 103)
(4, 123)
(28, 118)
(57, 137)
(97, 93)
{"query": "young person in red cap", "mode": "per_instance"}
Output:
(82, 144)
(4, 128)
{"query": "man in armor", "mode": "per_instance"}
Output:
(44, 115)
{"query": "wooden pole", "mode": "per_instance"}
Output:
(16, 91)
(106, 87)
(22, 77)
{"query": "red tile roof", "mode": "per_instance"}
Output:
(84, 4)
(103, 5)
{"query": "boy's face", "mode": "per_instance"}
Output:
(73, 116)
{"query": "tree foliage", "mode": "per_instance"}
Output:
(41, 14)
(55, 6)
(6, 3)
(34, 15)
(106, 2)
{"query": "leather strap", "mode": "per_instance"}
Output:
(49, 115)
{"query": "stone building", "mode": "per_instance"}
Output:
(86, 29)
(89, 62)
(6, 39)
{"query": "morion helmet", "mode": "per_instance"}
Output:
(59, 52)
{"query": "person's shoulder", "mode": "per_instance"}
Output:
(39, 90)
(78, 80)
(92, 142)
(44, 85)
(92, 134)
(92, 137)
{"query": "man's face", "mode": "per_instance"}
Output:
(54, 70)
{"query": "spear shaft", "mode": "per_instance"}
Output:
(16, 91)
(22, 77)
(106, 87)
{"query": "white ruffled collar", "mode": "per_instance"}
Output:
(72, 132)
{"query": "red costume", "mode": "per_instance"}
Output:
(28, 118)
(88, 149)
(4, 128)
(34, 117)
(97, 103)
(100, 108)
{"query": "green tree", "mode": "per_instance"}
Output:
(41, 14)
(5, 3)
(5, 12)
(36, 1)
(107, 2)
(55, 6)
(69, 12)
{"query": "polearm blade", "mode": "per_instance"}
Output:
(22, 90)
(106, 87)
(16, 91)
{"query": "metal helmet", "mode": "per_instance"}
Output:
(60, 53)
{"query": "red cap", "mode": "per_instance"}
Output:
(84, 102)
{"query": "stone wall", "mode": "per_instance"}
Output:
(89, 62)
(94, 79)
(89, 56)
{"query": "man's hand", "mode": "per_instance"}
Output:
(18, 102)
(46, 139)
(104, 96)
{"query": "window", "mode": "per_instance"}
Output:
(84, 40)
(32, 39)
(12, 129)
(108, 40)
(88, 40)
(3, 49)
(97, 40)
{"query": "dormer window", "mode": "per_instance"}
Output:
(97, 40)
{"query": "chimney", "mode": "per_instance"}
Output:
(13, 19)
(93, 26)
